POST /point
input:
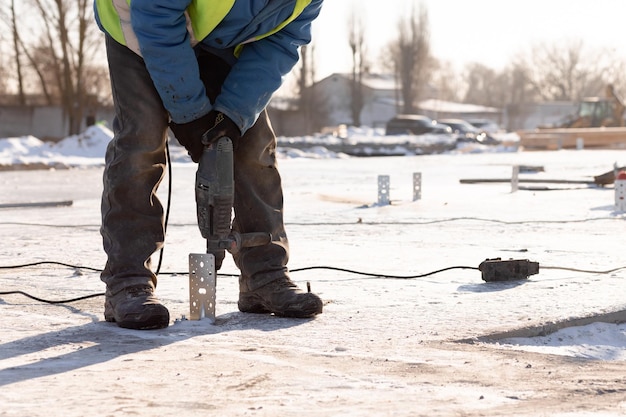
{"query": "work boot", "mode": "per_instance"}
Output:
(281, 297)
(137, 308)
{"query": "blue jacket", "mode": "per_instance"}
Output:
(161, 30)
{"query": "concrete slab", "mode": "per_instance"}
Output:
(383, 346)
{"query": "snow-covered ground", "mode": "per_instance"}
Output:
(87, 148)
(384, 346)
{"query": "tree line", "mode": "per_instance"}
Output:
(51, 53)
(560, 71)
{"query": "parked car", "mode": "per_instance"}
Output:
(466, 132)
(414, 124)
(486, 125)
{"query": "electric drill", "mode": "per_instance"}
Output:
(215, 193)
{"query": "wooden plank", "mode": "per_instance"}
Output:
(37, 204)
(606, 138)
(524, 180)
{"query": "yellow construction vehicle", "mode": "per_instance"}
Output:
(604, 111)
(598, 123)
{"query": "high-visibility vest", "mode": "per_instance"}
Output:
(204, 16)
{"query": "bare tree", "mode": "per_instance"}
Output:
(482, 84)
(519, 89)
(68, 53)
(309, 104)
(412, 58)
(356, 40)
(565, 71)
(57, 63)
(18, 61)
(518, 92)
(306, 95)
(4, 76)
(449, 84)
(7, 43)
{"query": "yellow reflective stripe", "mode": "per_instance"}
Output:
(205, 15)
(123, 11)
(110, 20)
(115, 17)
(297, 10)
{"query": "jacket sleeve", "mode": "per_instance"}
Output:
(261, 67)
(170, 59)
(160, 27)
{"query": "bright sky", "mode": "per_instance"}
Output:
(488, 31)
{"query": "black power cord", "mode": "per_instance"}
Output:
(43, 300)
(168, 162)
(373, 275)
(309, 268)
(351, 271)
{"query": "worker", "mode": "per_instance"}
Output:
(200, 67)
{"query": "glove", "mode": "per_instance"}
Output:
(222, 126)
(202, 132)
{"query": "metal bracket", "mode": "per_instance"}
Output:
(383, 190)
(417, 186)
(202, 283)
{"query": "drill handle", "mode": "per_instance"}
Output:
(247, 240)
(215, 189)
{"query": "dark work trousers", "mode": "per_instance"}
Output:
(132, 216)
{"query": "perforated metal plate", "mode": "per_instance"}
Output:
(383, 190)
(202, 282)
(417, 186)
